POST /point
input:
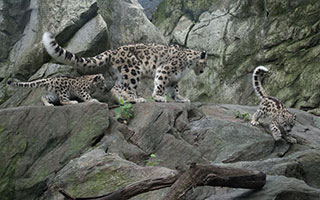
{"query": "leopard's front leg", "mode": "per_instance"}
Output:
(158, 91)
(275, 131)
(65, 99)
(176, 96)
(256, 116)
(86, 97)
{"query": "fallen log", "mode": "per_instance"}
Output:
(182, 182)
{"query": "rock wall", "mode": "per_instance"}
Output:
(240, 35)
(85, 150)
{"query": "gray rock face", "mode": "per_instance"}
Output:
(131, 27)
(85, 150)
(242, 35)
(82, 149)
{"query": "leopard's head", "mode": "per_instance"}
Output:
(200, 63)
(98, 81)
(287, 120)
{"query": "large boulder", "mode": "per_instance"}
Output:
(36, 142)
(131, 27)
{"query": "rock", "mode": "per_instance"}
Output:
(181, 31)
(277, 187)
(91, 39)
(149, 7)
(13, 17)
(99, 173)
(110, 155)
(242, 35)
(36, 142)
(315, 111)
(133, 27)
(28, 53)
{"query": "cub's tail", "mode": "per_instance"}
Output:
(66, 57)
(32, 84)
(256, 81)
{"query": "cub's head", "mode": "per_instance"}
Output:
(287, 120)
(200, 62)
(98, 81)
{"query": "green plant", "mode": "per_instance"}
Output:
(125, 111)
(245, 116)
(152, 161)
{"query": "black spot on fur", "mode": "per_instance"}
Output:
(119, 68)
(125, 76)
(126, 69)
(133, 72)
(133, 81)
(160, 78)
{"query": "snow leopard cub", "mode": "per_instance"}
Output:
(282, 121)
(63, 89)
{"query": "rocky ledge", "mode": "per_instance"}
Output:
(86, 151)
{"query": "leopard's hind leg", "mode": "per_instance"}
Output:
(173, 91)
(48, 100)
(131, 76)
(256, 116)
(64, 98)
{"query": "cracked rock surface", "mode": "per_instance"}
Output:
(84, 150)
(241, 35)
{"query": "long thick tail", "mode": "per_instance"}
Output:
(256, 81)
(32, 84)
(66, 57)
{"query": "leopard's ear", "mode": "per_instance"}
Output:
(203, 55)
(294, 116)
(97, 78)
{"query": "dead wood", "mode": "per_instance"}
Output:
(181, 183)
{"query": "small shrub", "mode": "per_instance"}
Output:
(153, 161)
(245, 116)
(124, 112)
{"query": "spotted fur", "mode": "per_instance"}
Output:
(129, 63)
(282, 121)
(63, 89)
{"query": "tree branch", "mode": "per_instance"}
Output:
(181, 183)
